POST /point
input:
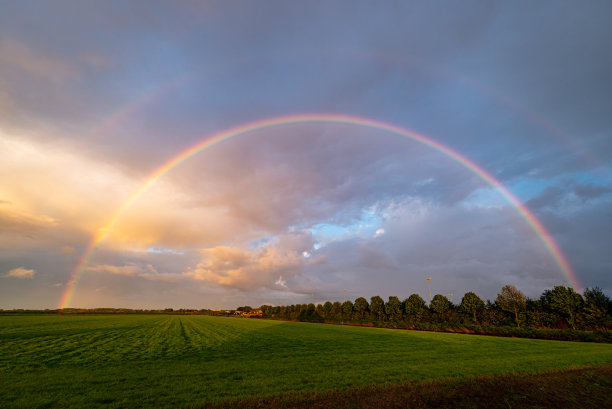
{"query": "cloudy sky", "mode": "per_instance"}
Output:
(95, 97)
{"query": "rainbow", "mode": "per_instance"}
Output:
(212, 140)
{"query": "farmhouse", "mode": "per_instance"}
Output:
(252, 313)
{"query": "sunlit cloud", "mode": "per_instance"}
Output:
(126, 270)
(18, 221)
(68, 250)
(70, 200)
(146, 271)
(247, 269)
(21, 272)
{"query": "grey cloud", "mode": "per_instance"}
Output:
(590, 191)
(549, 197)
(480, 251)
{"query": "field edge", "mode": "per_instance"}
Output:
(585, 386)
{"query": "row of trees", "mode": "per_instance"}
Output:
(559, 307)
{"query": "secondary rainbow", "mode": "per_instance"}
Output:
(207, 142)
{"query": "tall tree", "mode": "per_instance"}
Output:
(347, 308)
(414, 307)
(377, 307)
(266, 310)
(393, 308)
(336, 310)
(440, 305)
(512, 300)
(309, 314)
(597, 307)
(327, 308)
(361, 305)
(319, 309)
(595, 296)
(471, 304)
(566, 301)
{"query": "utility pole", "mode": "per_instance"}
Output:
(429, 285)
(345, 295)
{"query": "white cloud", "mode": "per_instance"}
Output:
(281, 282)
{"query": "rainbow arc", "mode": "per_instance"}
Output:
(214, 139)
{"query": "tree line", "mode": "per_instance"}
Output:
(557, 308)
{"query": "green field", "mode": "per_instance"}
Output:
(188, 361)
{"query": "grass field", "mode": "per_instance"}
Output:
(190, 361)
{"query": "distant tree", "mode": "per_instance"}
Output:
(414, 307)
(292, 311)
(597, 307)
(246, 308)
(361, 305)
(512, 300)
(539, 315)
(595, 296)
(440, 305)
(266, 310)
(347, 308)
(545, 305)
(393, 308)
(336, 310)
(327, 308)
(471, 304)
(377, 307)
(492, 314)
(309, 314)
(566, 301)
(319, 309)
(594, 317)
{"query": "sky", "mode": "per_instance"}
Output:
(97, 99)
